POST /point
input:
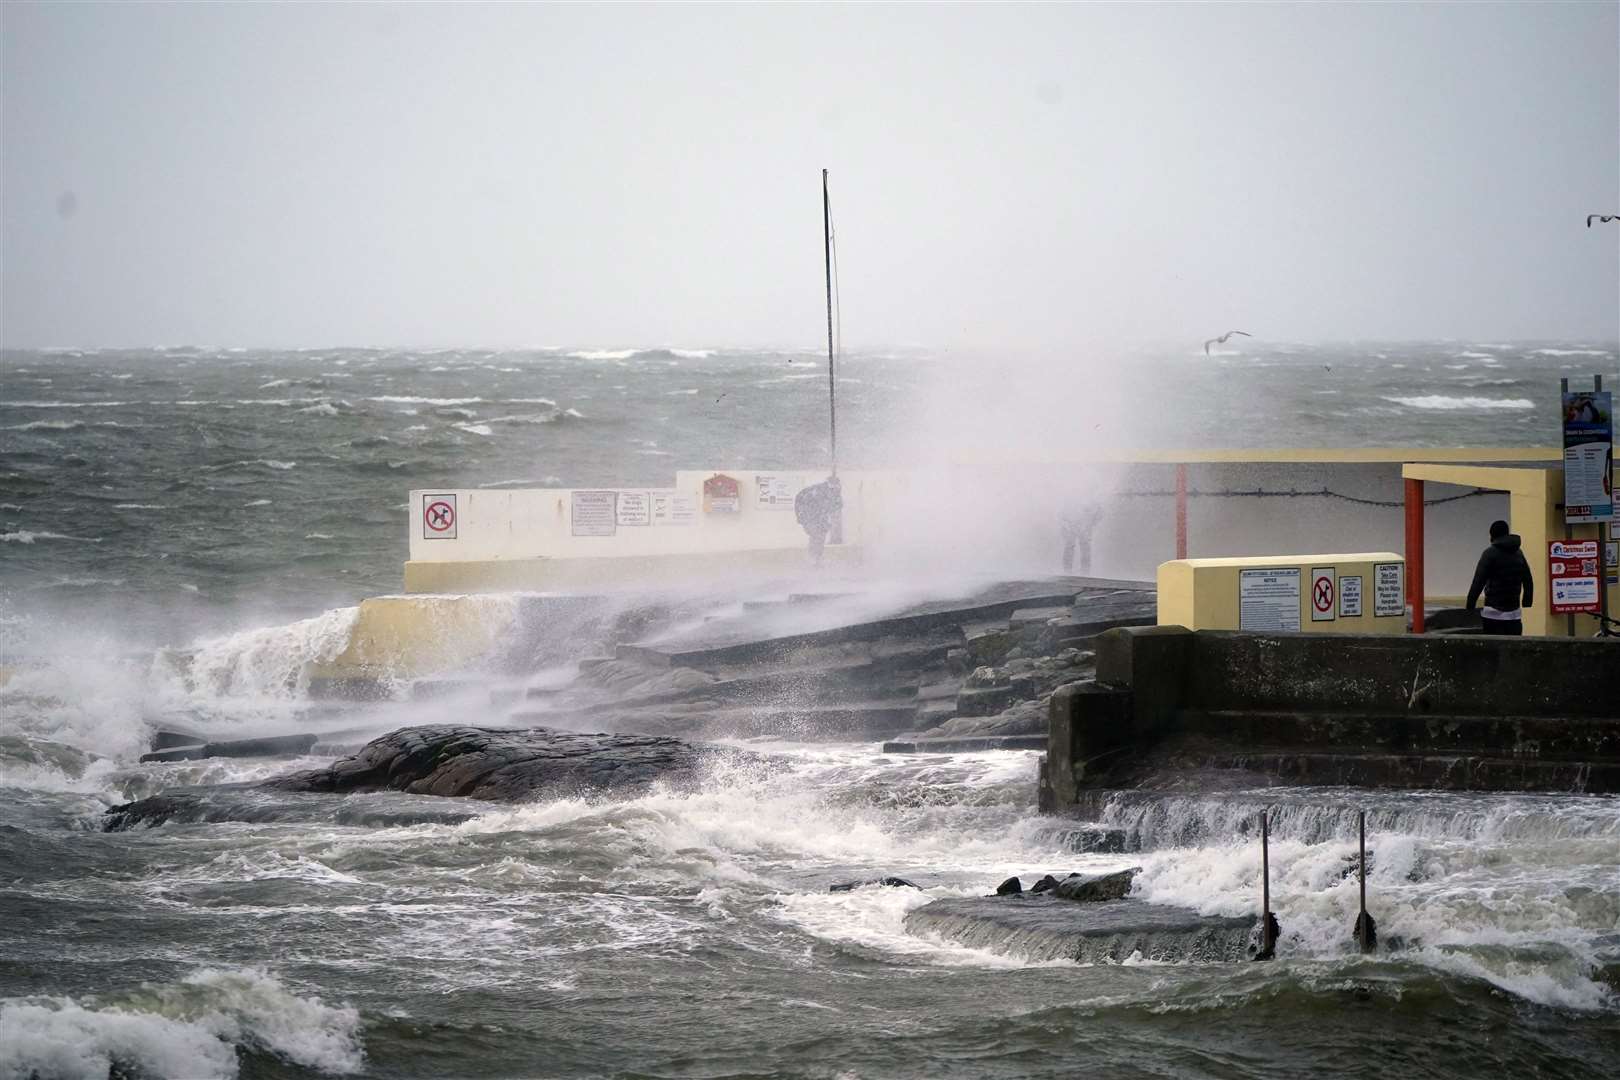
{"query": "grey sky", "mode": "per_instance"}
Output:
(310, 175)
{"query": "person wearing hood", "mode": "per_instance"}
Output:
(1503, 576)
(818, 508)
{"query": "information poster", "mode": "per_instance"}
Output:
(1572, 576)
(1268, 599)
(668, 508)
(720, 495)
(593, 513)
(1611, 560)
(773, 492)
(1389, 589)
(1350, 597)
(1589, 456)
(634, 509)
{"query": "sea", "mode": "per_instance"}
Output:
(232, 506)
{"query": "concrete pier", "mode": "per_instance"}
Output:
(1174, 708)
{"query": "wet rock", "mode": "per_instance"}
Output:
(887, 882)
(958, 661)
(987, 676)
(505, 765)
(269, 746)
(1097, 888)
(1045, 885)
(495, 764)
(1011, 887)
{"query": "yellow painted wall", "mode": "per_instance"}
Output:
(1205, 594)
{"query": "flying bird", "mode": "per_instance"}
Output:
(1601, 217)
(1222, 339)
(726, 394)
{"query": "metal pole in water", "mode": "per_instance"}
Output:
(1269, 930)
(1366, 930)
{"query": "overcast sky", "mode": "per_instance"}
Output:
(287, 175)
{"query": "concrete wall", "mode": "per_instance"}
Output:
(1211, 707)
(1007, 514)
(1247, 593)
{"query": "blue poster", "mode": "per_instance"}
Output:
(1588, 456)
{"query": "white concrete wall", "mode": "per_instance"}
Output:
(528, 523)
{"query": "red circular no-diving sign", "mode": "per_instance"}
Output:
(439, 516)
(1322, 594)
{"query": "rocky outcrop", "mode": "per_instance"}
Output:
(505, 765)
(493, 764)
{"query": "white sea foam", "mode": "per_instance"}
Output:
(692, 354)
(269, 463)
(1569, 352)
(269, 661)
(604, 354)
(139, 506)
(24, 536)
(189, 1029)
(1442, 401)
(398, 399)
(67, 404)
(258, 502)
(475, 429)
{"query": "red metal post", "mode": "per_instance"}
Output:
(1181, 511)
(1414, 552)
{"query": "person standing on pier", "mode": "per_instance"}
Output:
(1504, 577)
(817, 507)
(1078, 522)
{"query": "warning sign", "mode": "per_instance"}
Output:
(439, 517)
(772, 492)
(1269, 599)
(1350, 596)
(669, 508)
(593, 513)
(1389, 589)
(634, 508)
(1324, 591)
(1572, 574)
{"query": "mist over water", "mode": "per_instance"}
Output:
(183, 531)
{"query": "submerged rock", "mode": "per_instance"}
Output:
(1046, 927)
(887, 882)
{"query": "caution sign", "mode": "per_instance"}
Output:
(1324, 593)
(439, 517)
(1350, 596)
(1389, 590)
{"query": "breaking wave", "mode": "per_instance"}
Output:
(1442, 401)
(193, 1028)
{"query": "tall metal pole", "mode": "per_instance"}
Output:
(1269, 931)
(832, 388)
(1366, 928)
(1605, 533)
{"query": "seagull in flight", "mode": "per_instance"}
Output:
(1601, 217)
(1222, 339)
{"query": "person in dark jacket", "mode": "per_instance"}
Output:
(818, 507)
(1504, 577)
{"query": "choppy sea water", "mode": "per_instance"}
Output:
(238, 504)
